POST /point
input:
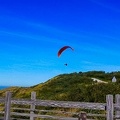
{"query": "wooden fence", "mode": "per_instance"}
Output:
(12, 109)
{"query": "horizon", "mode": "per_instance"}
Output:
(32, 32)
(8, 86)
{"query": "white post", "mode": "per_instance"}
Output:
(110, 107)
(32, 107)
(7, 106)
(117, 101)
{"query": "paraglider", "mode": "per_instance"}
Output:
(62, 49)
(65, 64)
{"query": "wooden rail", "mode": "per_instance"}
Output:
(31, 112)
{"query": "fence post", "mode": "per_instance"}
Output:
(110, 107)
(82, 116)
(7, 106)
(32, 107)
(117, 101)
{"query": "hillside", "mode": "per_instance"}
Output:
(72, 87)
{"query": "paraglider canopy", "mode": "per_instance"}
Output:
(62, 49)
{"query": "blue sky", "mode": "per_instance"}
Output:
(32, 32)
